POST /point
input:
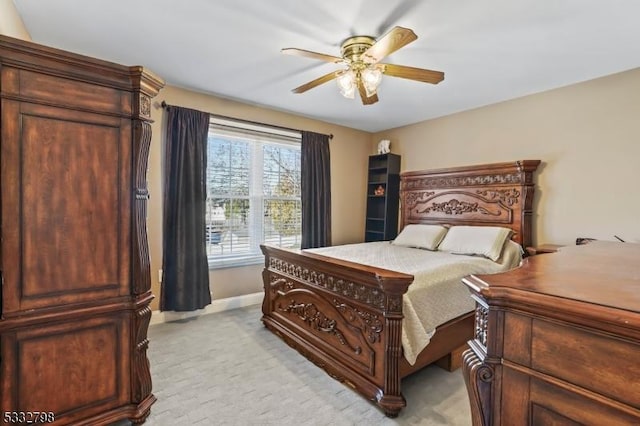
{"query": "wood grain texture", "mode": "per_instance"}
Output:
(411, 73)
(347, 317)
(87, 364)
(312, 55)
(66, 203)
(569, 322)
(366, 100)
(391, 41)
(562, 352)
(75, 294)
(317, 82)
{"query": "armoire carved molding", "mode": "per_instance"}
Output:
(74, 142)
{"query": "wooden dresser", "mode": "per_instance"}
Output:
(74, 262)
(557, 341)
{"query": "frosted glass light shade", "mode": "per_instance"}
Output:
(371, 79)
(347, 84)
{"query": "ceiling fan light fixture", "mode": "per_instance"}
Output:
(362, 56)
(347, 83)
(371, 79)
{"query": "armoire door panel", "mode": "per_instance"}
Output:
(91, 364)
(64, 202)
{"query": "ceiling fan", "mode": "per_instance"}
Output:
(362, 56)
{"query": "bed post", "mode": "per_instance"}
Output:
(392, 400)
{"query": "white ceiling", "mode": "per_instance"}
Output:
(490, 50)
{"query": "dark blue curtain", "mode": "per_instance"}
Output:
(185, 284)
(316, 190)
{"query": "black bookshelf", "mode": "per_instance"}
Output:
(383, 197)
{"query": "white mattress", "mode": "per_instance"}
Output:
(437, 294)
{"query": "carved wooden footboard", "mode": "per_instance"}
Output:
(343, 316)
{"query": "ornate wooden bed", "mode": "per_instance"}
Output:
(347, 317)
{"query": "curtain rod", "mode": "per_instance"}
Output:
(165, 105)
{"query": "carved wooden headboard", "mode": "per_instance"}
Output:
(499, 194)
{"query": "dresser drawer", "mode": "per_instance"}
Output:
(552, 405)
(600, 363)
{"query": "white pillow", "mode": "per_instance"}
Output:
(484, 241)
(421, 236)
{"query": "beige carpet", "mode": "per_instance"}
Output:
(227, 369)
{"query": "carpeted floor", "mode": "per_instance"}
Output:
(227, 369)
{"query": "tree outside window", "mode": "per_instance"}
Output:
(253, 196)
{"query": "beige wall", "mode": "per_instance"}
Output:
(349, 150)
(587, 136)
(10, 21)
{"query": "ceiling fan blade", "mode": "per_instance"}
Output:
(366, 100)
(419, 74)
(317, 82)
(313, 55)
(389, 43)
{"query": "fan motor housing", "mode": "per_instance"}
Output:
(352, 48)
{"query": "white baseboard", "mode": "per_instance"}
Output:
(219, 305)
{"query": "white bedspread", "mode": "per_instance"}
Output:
(437, 294)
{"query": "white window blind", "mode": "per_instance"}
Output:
(253, 191)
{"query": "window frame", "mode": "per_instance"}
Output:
(258, 136)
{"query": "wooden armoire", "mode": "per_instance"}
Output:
(74, 142)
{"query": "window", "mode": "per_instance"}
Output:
(253, 191)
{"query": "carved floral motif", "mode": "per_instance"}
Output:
(415, 197)
(456, 207)
(505, 196)
(395, 304)
(368, 323)
(311, 315)
(482, 319)
(145, 105)
(280, 284)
